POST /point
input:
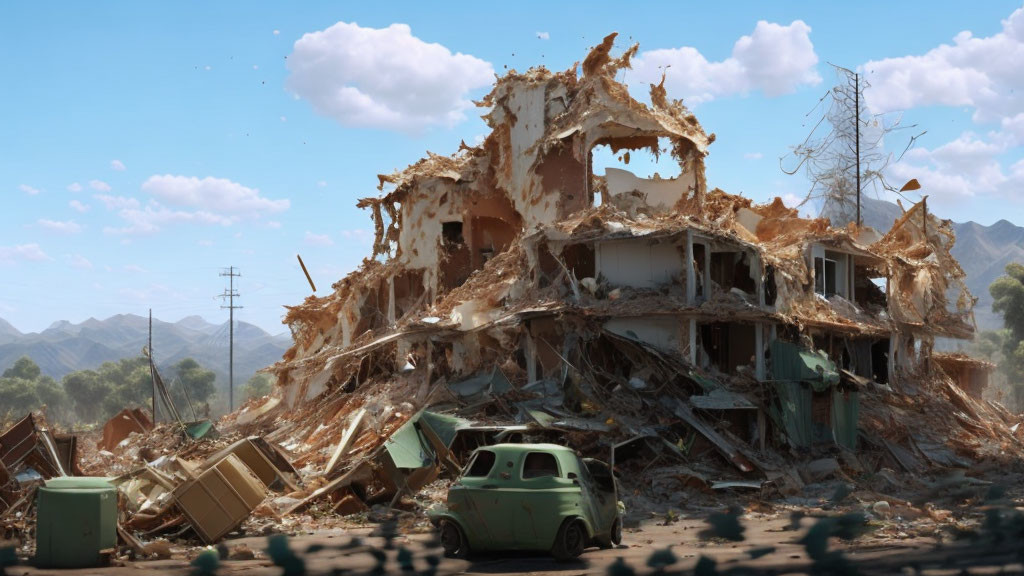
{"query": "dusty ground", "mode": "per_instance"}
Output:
(877, 553)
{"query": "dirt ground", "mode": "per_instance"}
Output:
(328, 551)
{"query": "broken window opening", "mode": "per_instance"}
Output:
(451, 232)
(483, 462)
(456, 262)
(637, 168)
(880, 361)
(770, 289)
(539, 465)
(699, 261)
(727, 346)
(643, 156)
(869, 291)
(580, 259)
(732, 270)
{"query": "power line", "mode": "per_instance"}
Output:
(230, 293)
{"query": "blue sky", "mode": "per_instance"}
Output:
(148, 145)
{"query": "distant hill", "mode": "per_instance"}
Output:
(983, 252)
(65, 347)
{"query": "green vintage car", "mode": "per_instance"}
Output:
(530, 497)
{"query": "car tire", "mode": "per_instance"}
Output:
(570, 540)
(612, 538)
(453, 540)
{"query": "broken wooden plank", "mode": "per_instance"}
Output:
(346, 440)
(728, 450)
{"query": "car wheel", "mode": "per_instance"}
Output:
(453, 540)
(617, 531)
(569, 541)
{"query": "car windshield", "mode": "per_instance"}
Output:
(481, 465)
(539, 464)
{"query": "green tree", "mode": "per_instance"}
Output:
(88, 391)
(130, 384)
(258, 386)
(1008, 299)
(23, 368)
(17, 396)
(198, 381)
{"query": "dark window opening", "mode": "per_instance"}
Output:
(825, 276)
(452, 232)
(540, 464)
(728, 346)
(732, 270)
(770, 289)
(482, 464)
(880, 361)
(580, 259)
(699, 257)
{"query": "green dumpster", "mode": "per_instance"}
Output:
(76, 520)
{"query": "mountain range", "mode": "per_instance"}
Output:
(65, 347)
(983, 252)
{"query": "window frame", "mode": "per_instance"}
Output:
(522, 467)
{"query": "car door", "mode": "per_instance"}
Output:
(494, 499)
(542, 497)
(603, 494)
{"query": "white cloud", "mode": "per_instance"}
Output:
(205, 243)
(322, 184)
(79, 261)
(753, 155)
(78, 206)
(277, 32)
(29, 252)
(958, 171)
(99, 185)
(774, 59)
(134, 268)
(207, 68)
(982, 73)
(384, 78)
(74, 187)
(117, 165)
(273, 224)
(255, 67)
(284, 118)
(117, 202)
(183, 199)
(28, 189)
(543, 35)
(68, 227)
(215, 195)
(318, 239)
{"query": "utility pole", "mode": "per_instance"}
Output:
(149, 351)
(231, 294)
(856, 127)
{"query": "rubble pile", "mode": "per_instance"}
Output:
(706, 345)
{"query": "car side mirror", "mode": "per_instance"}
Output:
(575, 479)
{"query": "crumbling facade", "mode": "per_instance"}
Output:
(515, 287)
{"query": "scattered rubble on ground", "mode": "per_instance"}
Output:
(714, 350)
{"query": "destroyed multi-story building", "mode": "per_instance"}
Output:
(513, 286)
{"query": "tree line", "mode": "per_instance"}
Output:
(94, 396)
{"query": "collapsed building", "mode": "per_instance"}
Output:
(526, 296)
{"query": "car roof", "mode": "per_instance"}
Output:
(510, 447)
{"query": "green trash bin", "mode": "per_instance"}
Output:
(76, 518)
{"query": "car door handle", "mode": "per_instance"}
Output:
(489, 486)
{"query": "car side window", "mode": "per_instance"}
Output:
(540, 464)
(482, 463)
